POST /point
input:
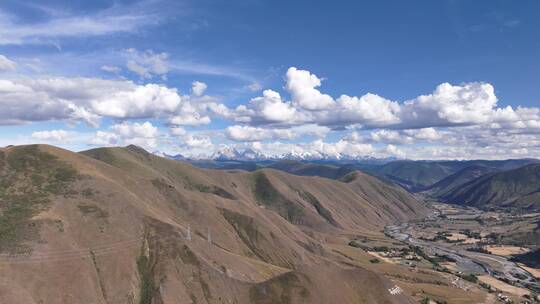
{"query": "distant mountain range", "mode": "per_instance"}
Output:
(232, 154)
(515, 189)
(480, 183)
(419, 176)
(412, 175)
(443, 188)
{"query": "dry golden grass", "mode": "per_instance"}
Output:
(383, 258)
(506, 250)
(450, 265)
(130, 233)
(534, 271)
(449, 294)
(502, 286)
(417, 282)
(462, 237)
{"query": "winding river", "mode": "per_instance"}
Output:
(467, 261)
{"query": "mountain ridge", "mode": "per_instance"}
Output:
(450, 183)
(515, 189)
(134, 225)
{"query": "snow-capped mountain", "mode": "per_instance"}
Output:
(296, 155)
(315, 156)
(229, 153)
(250, 155)
(175, 157)
(226, 153)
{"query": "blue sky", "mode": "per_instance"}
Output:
(410, 79)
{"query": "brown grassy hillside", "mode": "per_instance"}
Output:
(517, 189)
(119, 225)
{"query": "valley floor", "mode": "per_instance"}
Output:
(473, 247)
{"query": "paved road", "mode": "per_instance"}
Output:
(468, 261)
(432, 248)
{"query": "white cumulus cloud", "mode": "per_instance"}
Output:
(302, 86)
(269, 108)
(198, 88)
(89, 99)
(51, 135)
(147, 64)
(126, 133)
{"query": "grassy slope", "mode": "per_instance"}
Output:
(421, 175)
(28, 179)
(133, 210)
(311, 169)
(412, 175)
(445, 186)
(517, 188)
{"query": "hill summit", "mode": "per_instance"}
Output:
(144, 229)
